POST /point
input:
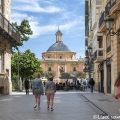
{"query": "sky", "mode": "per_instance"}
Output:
(44, 17)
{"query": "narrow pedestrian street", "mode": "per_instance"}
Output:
(69, 105)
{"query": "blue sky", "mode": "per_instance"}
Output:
(45, 16)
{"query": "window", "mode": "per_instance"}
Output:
(49, 69)
(108, 43)
(60, 57)
(1, 61)
(48, 56)
(74, 69)
(98, 2)
(97, 13)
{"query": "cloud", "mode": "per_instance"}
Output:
(41, 24)
(39, 29)
(34, 6)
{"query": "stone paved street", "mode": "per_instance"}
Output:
(68, 106)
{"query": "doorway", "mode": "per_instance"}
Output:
(102, 81)
(109, 79)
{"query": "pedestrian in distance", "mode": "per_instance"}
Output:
(91, 83)
(77, 84)
(84, 84)
(50, 90)
(117, 85)
(37, 88)
(26, 84)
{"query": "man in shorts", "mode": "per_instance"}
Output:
(84, 84)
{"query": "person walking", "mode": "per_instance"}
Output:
(26, 84)
(91, 83)
(77, 84)
(117, 91)
(84, 84)
(37, 88)
(50, 89)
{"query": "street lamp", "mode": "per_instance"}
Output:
(86, 59)
(89, 50)
(109, 26)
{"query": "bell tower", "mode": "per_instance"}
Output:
(58, 36)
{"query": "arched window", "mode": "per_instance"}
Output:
(49, 69)
(74, 69)
(60, 57)
(108, 43)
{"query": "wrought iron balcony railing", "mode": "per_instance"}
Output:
(8, 31)
(99, 54)
(108, 49)
(113, 3)
(108, 6)
(101, 19)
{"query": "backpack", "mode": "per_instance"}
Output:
(84, 83)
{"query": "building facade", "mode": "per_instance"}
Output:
(93, 38)
(106, 45)
(58, 58)
(8, 37)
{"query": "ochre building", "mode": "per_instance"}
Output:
(58, 58)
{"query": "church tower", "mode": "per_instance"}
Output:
(58, 36)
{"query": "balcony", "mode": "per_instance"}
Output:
(8, 31)
(99, 55)
(107, 8)
(86, 41)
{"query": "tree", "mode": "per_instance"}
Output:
(65, 76)
(47, 74)
(24, 29)
(28, 64)
(80, 75)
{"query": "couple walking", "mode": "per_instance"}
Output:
(38, 90)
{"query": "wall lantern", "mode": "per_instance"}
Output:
(109, 26)
(86, 59)
(89, 50)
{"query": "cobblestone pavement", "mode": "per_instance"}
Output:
(67, 106)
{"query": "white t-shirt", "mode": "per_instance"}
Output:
(84, 80)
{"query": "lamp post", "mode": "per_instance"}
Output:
(19, 80)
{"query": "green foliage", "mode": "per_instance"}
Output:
(28, 65)
(50, 73)
(80, 75)
(24, 29)
(65, 75)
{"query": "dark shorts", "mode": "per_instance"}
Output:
(37, 92)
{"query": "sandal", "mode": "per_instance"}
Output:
(48, 108)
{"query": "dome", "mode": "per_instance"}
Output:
(58, 32)
(59, 46)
